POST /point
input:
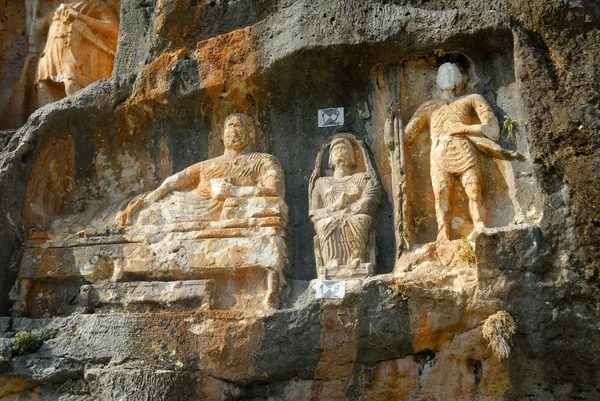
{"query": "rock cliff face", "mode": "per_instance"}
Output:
(509, 312)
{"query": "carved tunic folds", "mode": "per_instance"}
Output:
(452, 154)
(344, 233)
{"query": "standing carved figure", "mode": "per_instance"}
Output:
(80, 49)
(455, 144)
(342, 207)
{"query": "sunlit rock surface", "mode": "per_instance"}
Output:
(504, 312)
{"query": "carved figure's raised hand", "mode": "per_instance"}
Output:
(342, 202)
(221, 188)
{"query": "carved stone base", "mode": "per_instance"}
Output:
(346, 272)
(244, 260)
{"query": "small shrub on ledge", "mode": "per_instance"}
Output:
(24, 342)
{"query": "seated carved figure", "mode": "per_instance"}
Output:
(80, 49)
(235, 174)
(219, 224)
(342, 207)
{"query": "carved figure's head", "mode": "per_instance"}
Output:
(238, 132)
(341, 153)
(450, 80)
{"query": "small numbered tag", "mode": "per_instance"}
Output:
(331, 117)
(335, 289)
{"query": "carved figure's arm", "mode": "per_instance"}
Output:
(489, 124)
(181, 180)
(98, 17)
(108, 25)
(318, 211)
(416, 125)
(369, 197)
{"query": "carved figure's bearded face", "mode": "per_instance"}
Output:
(342, 154)
(238, 132)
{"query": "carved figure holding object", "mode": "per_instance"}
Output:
(342, 206)
(455, 144)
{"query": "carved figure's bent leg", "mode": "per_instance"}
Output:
(471, 181)
(442, 182)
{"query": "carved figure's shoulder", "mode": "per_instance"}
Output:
(474, 98)
(263, 158)
(429, 106)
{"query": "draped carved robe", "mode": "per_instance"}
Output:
(343, 234)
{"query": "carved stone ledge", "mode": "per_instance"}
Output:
(144, 296)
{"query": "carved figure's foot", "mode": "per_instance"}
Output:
(355, 263)
(333, 263)
(442, 236)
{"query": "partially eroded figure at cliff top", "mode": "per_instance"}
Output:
(342, 207)
(456, 144)
(80, 49)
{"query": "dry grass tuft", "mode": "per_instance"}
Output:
(399, 288)
(498, 330)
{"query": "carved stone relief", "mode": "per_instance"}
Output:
(456, 170)
(80, 49)
(71, 44)
(457, 140)
(342, 206)
(222, 220)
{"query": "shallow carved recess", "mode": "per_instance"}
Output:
(222, 221)
(71, 44)
(456, 170)
(342, 205)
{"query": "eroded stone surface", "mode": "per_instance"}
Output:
(536, 62)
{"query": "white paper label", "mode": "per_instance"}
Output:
(331, 117)
(335, 289)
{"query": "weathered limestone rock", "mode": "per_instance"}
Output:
(420, 327)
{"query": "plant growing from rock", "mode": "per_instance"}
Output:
(25, 342)
(509, 125)
(399, 288)
(498, 330)
(71, 386)
(467, 252)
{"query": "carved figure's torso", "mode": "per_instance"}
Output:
(331, 189)
(452, 153)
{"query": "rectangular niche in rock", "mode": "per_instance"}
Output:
(456, 170)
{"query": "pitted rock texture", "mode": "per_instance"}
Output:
(411, 334)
